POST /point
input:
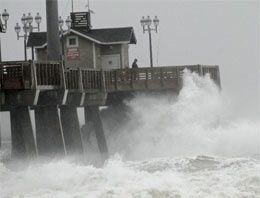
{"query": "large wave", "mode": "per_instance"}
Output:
(201, 120)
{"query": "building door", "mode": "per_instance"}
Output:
(111, 61)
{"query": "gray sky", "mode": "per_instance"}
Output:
(225, 33)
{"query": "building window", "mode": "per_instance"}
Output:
(72, 41)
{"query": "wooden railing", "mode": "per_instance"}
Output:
(213, 71)
(51, 75)
(15, 75)
(48, 75)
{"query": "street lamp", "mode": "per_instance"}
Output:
(146, 24)
(27, 28)
(5, 17)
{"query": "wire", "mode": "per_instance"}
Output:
(66, 8)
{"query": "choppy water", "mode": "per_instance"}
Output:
(193, 146)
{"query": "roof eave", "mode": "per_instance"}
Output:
(94, 40)
(40, 47)
(133, 35)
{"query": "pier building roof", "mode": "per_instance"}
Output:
(105, 36)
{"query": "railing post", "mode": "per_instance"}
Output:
(34, 75)
(62, 76)
(132, 78)
(146, 78)
(103, 81)
(161, 77)
(200, 70)
(218, 76)
(2, 73)
(80, 83)
(178, 76)
(116, 80)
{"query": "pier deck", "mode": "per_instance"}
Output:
(23, 82)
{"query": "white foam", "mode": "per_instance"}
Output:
(201, 120)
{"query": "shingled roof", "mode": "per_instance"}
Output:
(37, 39)
(101, 36)
(111, 35)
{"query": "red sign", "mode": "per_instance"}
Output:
(73, 53)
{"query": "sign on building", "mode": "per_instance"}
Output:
(80, 19)
(73, 53)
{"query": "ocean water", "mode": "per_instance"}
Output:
(193, 145)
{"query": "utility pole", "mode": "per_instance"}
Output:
(53, 38)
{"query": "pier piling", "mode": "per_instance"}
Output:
(23, 143)
(71, 130)
(92, 114)
(48, 131)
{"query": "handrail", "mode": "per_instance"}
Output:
(52, 75)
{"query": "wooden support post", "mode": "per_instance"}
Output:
(23, 144)
(71, 130)
(48, 131)
(92, 114)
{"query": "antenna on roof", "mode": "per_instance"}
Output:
(88, 6)
(72, 6)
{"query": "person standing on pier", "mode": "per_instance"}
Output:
(134, 67)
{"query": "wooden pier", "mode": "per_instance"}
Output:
(46, 87)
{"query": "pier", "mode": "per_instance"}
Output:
(54, 93)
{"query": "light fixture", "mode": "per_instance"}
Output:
(27, 28)
(29, 18)
(146, 24)
(68, 22)
(61, 23)
(17, 28)
(5, 17)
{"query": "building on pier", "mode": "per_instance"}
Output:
(90, 48)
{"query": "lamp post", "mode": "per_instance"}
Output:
(68, 22)
(5, 17)
(146, 23)
(27, 28)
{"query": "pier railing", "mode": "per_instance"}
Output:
(51, 75)
(15, 75)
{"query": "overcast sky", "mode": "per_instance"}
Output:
(222, 33)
